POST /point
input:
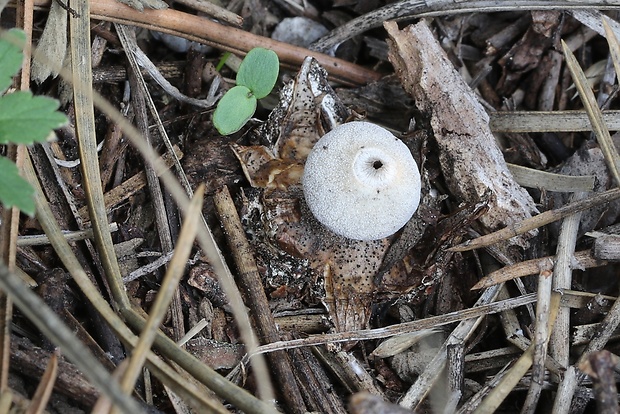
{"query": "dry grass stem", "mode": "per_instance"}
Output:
(562, 279)
(165, 295)
(41, 239)
(542, 331)
(538, 221)
(482, 308)
(85, 128)
(552, 121)
(594, 113)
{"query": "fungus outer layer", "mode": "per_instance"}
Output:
(361, 182)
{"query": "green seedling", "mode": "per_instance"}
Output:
(24, 119)
(256, 78)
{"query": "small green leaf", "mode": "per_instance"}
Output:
(11, 56)
(259, 71)
(14, 190)
(25, 119)
(234, 109)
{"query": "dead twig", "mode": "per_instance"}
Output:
(559, 344)
(533, 266)
(600, 366)
(540, 342)
(538, 221)
(226, 38)
(251, 282)
(409, 9)
(483, 307)
(547, 121)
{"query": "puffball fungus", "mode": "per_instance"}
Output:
(361, 182)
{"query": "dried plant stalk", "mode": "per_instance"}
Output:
(471, 161)
(250, 280)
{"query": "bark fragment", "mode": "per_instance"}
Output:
(470, 159)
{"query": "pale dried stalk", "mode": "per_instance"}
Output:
(614, 45)
(85, 129)
(594, 113)
(42, 239)
(566, 390)
(484, 306)
(165, 294)
(556, 121)
(540, 342)
(559, 345)
(538, 221)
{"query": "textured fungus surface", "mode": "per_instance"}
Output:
(361, 182)
(347, 266)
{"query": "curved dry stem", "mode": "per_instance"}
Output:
(81, 70)
(411, 9)
(175, 272)
(594, 113)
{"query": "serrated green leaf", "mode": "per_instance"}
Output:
(25, 119)
(234, 109)
(259, 71)
(14, 190)
(11, 56)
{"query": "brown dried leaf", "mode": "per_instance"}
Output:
(264, 170)
(308, 106)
